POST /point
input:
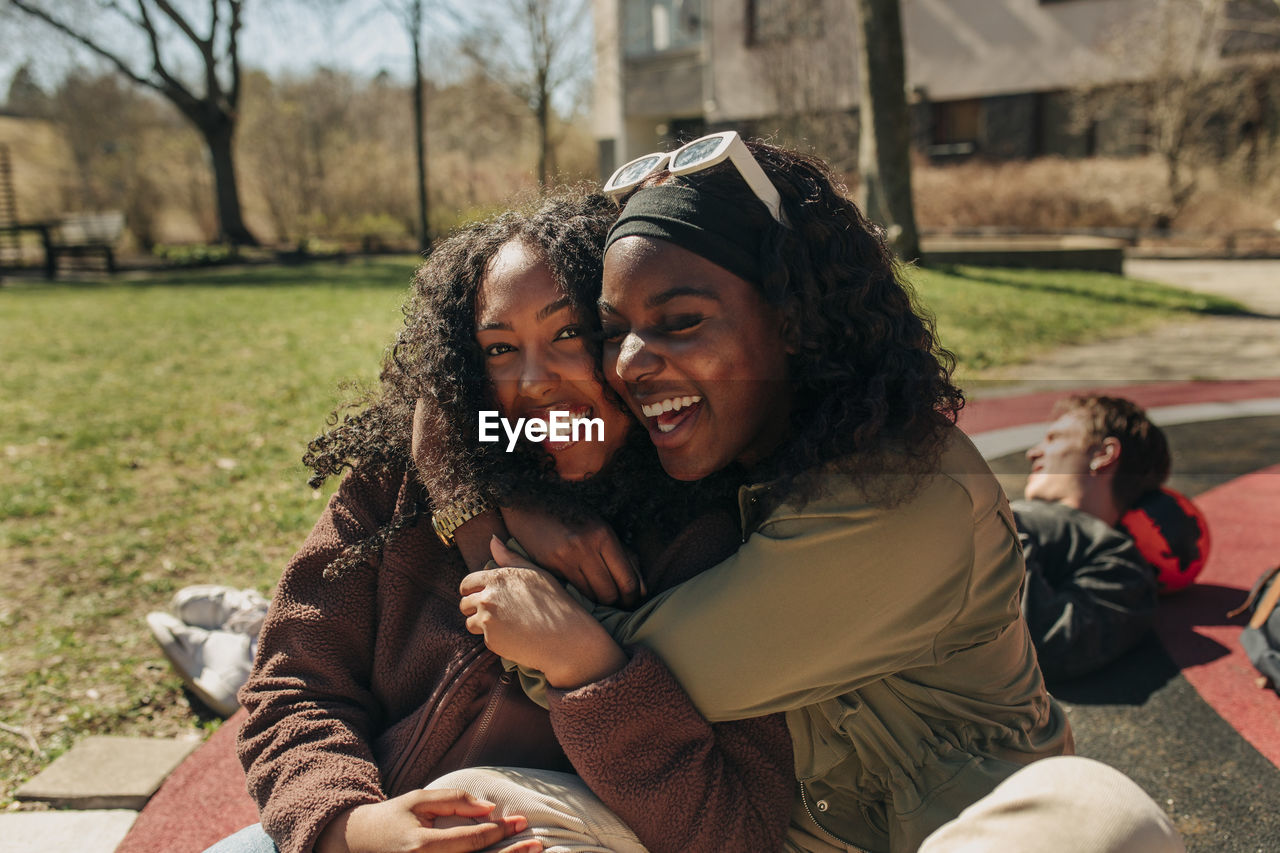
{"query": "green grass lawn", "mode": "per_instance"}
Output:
(993, 317)
(151, 433)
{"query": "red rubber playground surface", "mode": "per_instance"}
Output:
(1181, 715)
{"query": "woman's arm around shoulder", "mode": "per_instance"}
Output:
(818, 601)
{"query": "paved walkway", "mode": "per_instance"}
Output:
(1200, 348)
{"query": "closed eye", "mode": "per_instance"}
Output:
(681, 322)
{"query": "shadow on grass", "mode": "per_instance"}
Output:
(1215, 305)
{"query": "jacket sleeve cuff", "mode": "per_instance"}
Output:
(637, 684)
(297, 827)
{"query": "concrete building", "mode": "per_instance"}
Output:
(996, 78)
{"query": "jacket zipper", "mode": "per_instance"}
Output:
(804, 798)
(486, 719)
(449, 686)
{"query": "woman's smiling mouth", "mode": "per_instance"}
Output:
(671, 412)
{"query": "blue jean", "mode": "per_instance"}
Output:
(251, 839)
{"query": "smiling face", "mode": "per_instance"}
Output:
(698, 355)
(1060, 463)
(537, 361)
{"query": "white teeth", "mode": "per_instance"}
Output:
(671, 404)
(666, 427)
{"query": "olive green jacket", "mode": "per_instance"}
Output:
(892, 638)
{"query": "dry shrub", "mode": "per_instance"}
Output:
(1055, 194)
(1049, 194)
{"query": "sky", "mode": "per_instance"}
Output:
(356, 35)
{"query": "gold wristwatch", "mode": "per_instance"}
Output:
(449, 518)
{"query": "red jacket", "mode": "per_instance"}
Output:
(369, 685)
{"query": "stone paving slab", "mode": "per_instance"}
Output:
(107, 773)
(81, 831)
(1256, 283)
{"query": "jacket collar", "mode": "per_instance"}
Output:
(753, 504)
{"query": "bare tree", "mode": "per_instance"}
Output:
(537, 49)
(801, 58)
(412, 14)
(170, 36)
(25, 97)
(884, 139)
(1200, 71)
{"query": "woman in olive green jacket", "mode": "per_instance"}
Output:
(754, 318)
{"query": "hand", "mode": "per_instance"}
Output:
(406, 824)
(587, 555)
(526, 616)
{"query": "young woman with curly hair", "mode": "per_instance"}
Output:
(760, 321)
(367, 685)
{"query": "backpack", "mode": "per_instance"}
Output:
(1261, 637)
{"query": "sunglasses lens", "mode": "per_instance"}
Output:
(703, 149)
(635, 172)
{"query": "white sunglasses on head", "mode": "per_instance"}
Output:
(698, 155)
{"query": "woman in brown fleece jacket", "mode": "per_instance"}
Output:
(367, 684)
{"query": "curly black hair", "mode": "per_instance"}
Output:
(872, 384)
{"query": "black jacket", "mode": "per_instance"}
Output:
(1089, 595)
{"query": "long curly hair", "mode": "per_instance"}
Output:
(872, 384)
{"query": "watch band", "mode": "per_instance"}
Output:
(449, 518)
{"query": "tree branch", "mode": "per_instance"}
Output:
(67, 30)
(172, 88)
(113, 6)
(187, 30)
(213, 89)
(233, 48)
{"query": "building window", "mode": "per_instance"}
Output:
(956, 127)
(656, 26)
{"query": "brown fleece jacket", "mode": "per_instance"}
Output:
(368, 686)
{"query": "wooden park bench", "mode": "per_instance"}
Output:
(75, 235)
(80, 235)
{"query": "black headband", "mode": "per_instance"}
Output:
(708, 225)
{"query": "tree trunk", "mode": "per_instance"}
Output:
(218, 135)
(420, 140)
(884, 135)
(543, 114)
